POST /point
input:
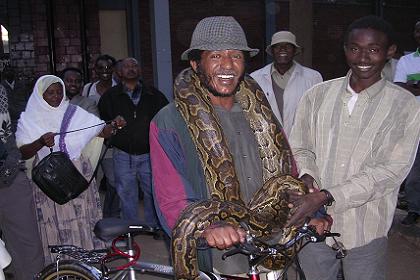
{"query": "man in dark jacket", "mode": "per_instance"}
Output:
(138, 104)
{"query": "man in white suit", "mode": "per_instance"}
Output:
(284, 81)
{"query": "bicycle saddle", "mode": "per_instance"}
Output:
(110, 228)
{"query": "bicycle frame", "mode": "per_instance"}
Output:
(84, 261)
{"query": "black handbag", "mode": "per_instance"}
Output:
(59, 179)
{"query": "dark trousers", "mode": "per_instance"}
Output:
(111, 207)
(412, 186)
(367, 262)
(19, 228)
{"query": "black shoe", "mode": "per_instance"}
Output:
(410, 219)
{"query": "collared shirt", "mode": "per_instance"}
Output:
(279, 79)
(134, 94)
(244, 149)
(11, 85)
(360, 158)
(352, 100)
(408, 68)
(302, 79)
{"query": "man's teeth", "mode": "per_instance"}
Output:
(364, 68)
(225, 76)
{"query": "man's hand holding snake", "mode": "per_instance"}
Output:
(304, 206)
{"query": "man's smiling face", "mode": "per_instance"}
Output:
(367, 51)
(221, 71)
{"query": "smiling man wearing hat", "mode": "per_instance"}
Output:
(284, 81)
(208, 108)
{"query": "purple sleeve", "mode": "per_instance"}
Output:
(168, 183)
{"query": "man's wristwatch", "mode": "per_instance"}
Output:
(330, 198)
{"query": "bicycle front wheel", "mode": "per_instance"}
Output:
(69, 270)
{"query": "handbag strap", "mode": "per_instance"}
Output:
(97, 166)
(64, 125)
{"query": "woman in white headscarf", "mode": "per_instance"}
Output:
(48, 113)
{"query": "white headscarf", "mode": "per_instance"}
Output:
(5, 259)
(39, 118)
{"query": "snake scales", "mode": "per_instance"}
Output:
(267, 212)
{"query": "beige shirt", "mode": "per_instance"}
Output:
(279, 79)
(360, 158)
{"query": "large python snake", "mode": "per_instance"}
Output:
(267, 212)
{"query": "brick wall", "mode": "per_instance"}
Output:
(26, 22)
(185, 14)
(403, 18)
(146, 59)
(18, 21)
(331, 21)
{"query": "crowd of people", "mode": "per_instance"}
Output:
(351, 140)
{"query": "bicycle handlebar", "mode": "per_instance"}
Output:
(250, 247)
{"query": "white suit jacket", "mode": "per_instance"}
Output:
(302, 79)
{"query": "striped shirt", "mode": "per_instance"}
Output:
(360, 158)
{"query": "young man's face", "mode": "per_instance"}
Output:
(103, 69)
(366, 52)
(221, 71)
(73, 82)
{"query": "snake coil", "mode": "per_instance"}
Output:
(267, 212)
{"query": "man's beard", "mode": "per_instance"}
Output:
(205, 80)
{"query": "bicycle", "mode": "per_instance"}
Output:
(92, 264)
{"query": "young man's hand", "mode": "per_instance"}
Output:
(303, 206)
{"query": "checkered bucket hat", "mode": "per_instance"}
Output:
(218, 33)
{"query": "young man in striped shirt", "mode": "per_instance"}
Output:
(355, 138)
